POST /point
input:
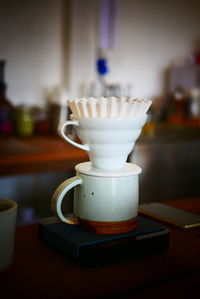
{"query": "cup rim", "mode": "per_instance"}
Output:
(12, 206)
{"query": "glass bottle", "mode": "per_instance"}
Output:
(178, 113)
(24, 123)
(5, 105)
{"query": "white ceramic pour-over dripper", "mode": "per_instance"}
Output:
(108, 141)
(111, 107)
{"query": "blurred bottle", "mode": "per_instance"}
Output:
(197, 58)
(6, 108)
(56, 107)
(149, 127)
(24, 122)
(178, 107)
(193, 107)
(99, 86)
(41, 121)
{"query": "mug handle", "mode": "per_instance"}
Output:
(61, 128)
(58, 196)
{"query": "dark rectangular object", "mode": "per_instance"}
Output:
(148, 237)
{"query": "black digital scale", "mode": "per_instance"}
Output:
(149, 237)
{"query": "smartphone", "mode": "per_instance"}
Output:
(169, 214)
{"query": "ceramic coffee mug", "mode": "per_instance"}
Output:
(104, 202)
(8, 213)
(107, 141)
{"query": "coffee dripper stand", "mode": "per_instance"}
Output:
(87, 246)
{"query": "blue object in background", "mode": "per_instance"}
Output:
(102, 67)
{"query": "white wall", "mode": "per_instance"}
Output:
(150, 34)
(82, 45)
(30, 41)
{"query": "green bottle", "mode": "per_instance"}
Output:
(24, 123)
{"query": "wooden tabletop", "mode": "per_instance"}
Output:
(38, 154)
(41, 272)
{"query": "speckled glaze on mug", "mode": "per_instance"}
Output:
(104, 202)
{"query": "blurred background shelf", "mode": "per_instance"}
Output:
(37, 154)
(50, 153)
(170, 161)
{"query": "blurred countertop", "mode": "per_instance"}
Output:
(37, 154)
(51, 153)
(169, 133)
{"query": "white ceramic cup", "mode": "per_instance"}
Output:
(8, 213)
(107, 141)
(104, 202)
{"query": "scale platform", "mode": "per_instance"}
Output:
(149, 237)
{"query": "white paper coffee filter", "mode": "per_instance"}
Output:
(111, 107)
